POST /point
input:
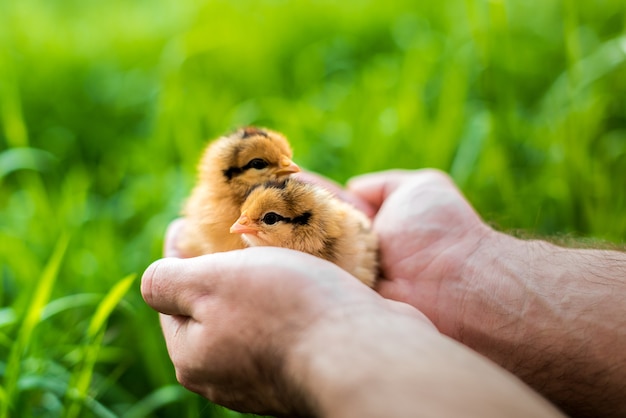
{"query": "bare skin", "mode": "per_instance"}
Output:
(274, 331)
(554, 317)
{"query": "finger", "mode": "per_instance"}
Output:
(398, 289)
(170, 249)
(174, 329)
(182, 345)
(374, 188)
(408, 310)
(336, 190)
(172, 285)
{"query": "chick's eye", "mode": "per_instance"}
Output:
(271, 218)
(258, 163)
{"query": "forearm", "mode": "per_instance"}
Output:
(556, 319)
(395, 365)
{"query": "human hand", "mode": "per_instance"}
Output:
(427, 233)
(274, 331)
(524, 304)
(232, 321)
(490, 291)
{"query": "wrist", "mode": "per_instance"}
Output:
(395, 364)
(333, 375)
(495, 279)
(548, 314)
(512, 293)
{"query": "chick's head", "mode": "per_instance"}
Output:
(286, 214)
(248, 157)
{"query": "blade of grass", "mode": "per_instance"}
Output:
(470, 147)
(32, 318)
(108, 304)
(81, 380)
(157, 399)
(4, 397)
(606, 58)
(7, 316)
(69, 302)
(11, 106)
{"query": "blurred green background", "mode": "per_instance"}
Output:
(105, 107)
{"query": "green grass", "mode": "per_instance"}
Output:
(105, 106)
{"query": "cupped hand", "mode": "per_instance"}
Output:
(231, 320)
(427, 233)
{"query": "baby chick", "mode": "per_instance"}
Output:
(305, 217)
(229, 167)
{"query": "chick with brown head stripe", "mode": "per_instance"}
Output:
(229, 167)
(307, 218)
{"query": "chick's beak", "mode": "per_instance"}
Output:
(287, 166)
(243, 225)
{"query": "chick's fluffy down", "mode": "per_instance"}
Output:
(306, 217)
(229, 167)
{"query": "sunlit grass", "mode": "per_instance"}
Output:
(25, 334)
(105, 106)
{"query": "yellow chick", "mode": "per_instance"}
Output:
(229, 167)
(305, 217)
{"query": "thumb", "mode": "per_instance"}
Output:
(172, 285)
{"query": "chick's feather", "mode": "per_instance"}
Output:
(305, 217)
(228, 168)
